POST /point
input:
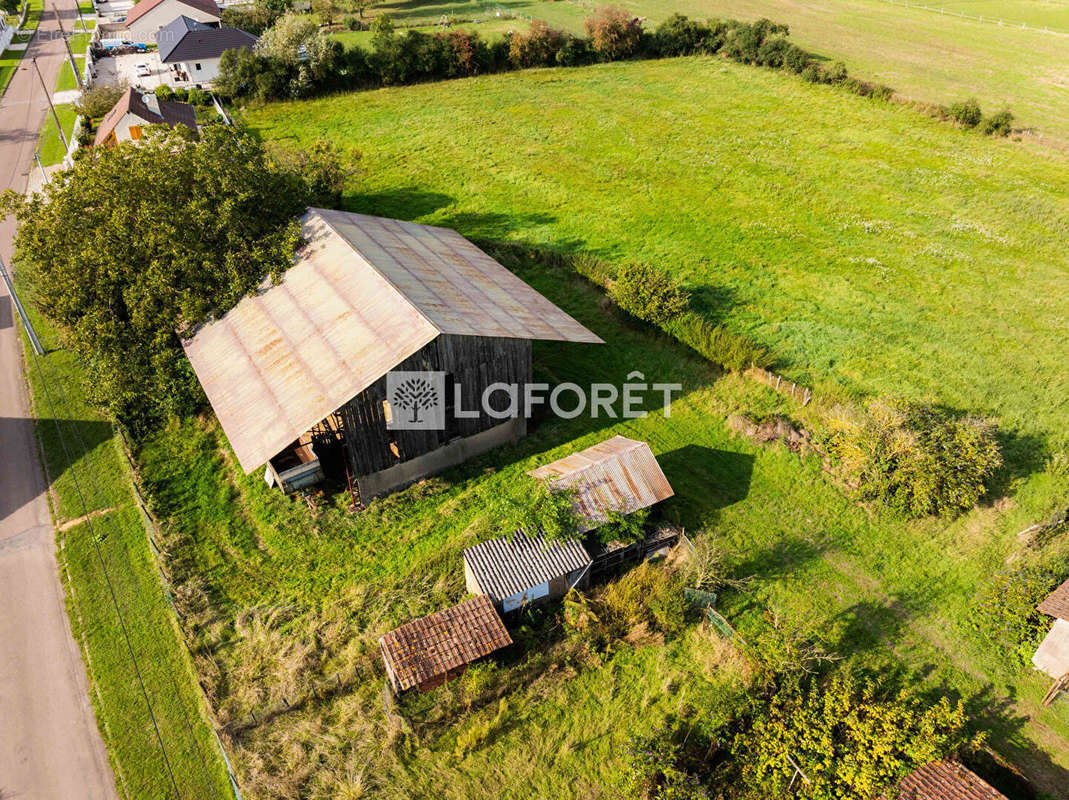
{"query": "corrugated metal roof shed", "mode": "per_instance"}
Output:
(430, 647)
(505, 567)
(1056, 604)
(620, 474)
(946, 780)
(364, 294)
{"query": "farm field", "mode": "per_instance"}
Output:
(926, 56)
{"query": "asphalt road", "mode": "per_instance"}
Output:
(50, 748)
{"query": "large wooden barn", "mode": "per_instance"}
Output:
(305, 362)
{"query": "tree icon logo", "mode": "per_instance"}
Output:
(416, 400)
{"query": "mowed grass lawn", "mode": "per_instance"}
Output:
(926, 56)
(49, 145)
(873, 249)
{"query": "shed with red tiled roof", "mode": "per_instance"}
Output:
(946, 780)
(428, 651)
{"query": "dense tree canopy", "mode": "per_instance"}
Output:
(139, 241)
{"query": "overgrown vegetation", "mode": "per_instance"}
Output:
(1005, 614)
(917, 459)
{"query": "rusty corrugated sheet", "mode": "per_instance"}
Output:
(619, 474)
(365, 294)
(505, 567)
(432, 646)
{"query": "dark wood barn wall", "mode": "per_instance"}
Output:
(474, 362)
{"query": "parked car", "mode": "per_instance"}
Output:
(141, 70)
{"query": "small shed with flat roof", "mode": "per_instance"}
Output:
(431, 650)
(520, 571)
(619, 474)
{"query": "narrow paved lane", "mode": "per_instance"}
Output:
(50, 748)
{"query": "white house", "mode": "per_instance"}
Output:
(148, 16)
(134, 111)
(193, 49)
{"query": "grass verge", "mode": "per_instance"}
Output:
(118, 530)
(49, 145)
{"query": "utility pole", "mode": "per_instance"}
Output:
(81, 19)
(67, 43)
(22, 312)
(40, 166)
(48, 96)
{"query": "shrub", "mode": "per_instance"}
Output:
(773, 52)
(622, 527)
(576, 52)
(732, 351)
(648, 595)
(855, 737)
(916, 459)
(322, 169)
(743, 42)
(1004, 611)
(614, 33)
(182, 94)
(655, 769)
(796, 59)
(97, 101)
(967, 113)
(164, 92)
(198, 97)
(882, 92)
(999, 124)
(836, 73)
(813, 73)
(649, 293)
(538, 47)
(680, 36)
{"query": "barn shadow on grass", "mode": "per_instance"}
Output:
(404, 202)
(711, 478)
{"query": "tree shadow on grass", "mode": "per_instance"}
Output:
(20, 482)
(1023, 454)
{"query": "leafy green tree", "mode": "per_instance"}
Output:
(10, 6)
(918, 459)
(851, 737)
(296, 42)
(531, 505)
(139, 241)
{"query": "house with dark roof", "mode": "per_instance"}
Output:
(193, 49)
(521, 571)
(428, 651)
(366, 344)
(135, 111)
(148, 16)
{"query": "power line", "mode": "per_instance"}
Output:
(104, 569)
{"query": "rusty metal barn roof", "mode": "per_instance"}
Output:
(946, 780)
(431, 646)
(1056, 604)
(505, 567)
(620, 474)
(365, 293)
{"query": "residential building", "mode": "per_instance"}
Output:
(193, 50)
(135, 111)
(148, 16)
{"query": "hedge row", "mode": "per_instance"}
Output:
(397, 58)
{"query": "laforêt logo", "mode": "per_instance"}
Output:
(417, 401)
